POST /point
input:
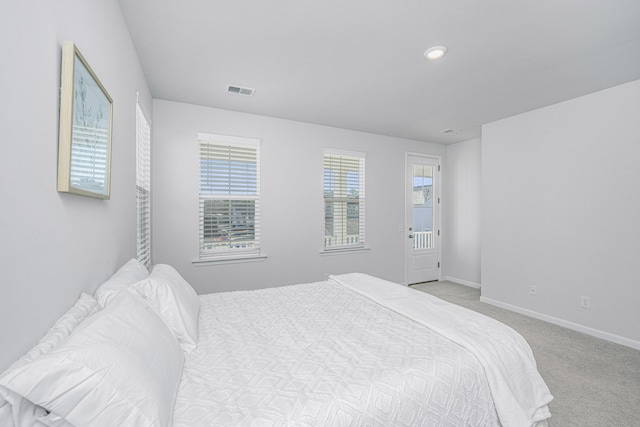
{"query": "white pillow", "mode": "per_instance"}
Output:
(14, 407)
(175, 300)
(120, 367)
(126, 275)
(17, 411)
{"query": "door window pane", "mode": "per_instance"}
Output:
(422, 206)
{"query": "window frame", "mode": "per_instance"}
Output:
(343, 198)
(230, 254)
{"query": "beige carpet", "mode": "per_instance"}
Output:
(594, 382)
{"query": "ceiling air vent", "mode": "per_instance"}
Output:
(451, 131)
(240, 90)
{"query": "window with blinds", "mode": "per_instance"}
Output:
(229, 196)
(143, 187)
(343, 199)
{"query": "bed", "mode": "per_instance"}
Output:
(354, 350)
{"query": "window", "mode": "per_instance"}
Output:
(343, 200)
(143, 187)
(229, 197)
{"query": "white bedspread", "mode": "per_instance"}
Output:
(323, 355)
(519, 392)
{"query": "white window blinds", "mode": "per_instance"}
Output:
(229, 196)
(344, 199)
(143, 187)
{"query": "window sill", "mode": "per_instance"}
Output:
(342, 251)
(229, 259)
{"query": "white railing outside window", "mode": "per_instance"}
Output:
(349, 240)
(423, 240)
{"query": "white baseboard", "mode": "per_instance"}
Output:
(462, 282)
(565, 323)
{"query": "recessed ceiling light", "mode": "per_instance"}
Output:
(435, 52)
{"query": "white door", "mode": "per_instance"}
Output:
(422, 232)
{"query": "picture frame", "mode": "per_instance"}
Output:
(86, 118)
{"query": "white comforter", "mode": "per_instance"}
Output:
(519, 392)
(323, 355)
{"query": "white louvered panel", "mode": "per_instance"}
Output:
(143, 187)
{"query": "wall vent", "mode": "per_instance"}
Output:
(240, 90)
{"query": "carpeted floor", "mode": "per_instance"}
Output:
(594, 382)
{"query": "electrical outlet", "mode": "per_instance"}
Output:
(533, 290)
(585, 302)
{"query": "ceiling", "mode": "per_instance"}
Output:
(359, 64)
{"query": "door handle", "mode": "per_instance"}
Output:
(411, 236)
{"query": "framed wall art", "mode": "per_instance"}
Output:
(84, 146)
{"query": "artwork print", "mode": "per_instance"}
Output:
(85, 129)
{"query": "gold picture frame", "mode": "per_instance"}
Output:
(86, 116)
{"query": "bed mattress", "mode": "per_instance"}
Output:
(323, 354)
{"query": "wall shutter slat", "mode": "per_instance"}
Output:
(143, 187)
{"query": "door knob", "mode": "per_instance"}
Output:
(411, 236)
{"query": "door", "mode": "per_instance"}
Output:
(422, 232)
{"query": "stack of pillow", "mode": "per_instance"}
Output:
(111, 360)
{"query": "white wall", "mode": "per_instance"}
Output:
(291, 199)
(52, 245)
(561, 210)
(462, 177)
